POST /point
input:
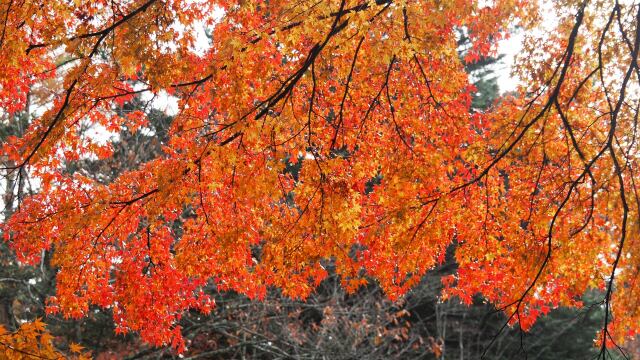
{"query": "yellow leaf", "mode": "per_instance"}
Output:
(75, 348)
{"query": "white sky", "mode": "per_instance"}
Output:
(510, 48)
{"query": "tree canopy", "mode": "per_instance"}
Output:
(311, 132)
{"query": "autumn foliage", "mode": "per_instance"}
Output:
(369, 99)
(32, 341)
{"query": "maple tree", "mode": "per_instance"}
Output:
(371, 102)
(32, 341)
